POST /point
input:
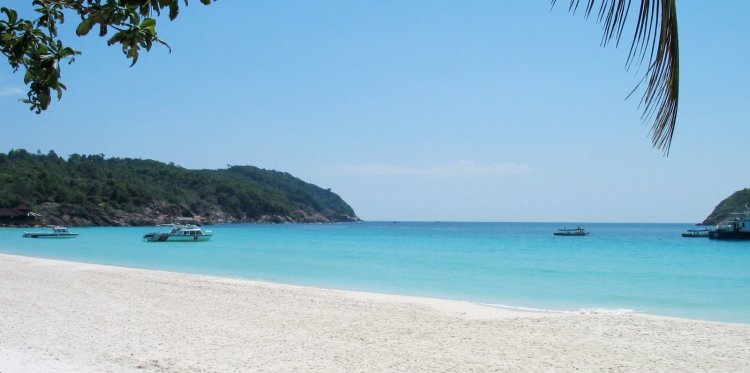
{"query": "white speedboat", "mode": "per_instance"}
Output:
(179, 232)
(56, 232)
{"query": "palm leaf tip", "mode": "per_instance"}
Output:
(655, 38)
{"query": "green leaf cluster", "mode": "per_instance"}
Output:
(83, 183)
(34, 44)
(27, 45)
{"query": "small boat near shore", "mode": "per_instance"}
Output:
(179, 233)
(696, 232)
(571, 232)
(57, 231)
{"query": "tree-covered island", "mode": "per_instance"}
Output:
(91, 190)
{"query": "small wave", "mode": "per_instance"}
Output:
(523, 309)
(605, 311)
(582, 311)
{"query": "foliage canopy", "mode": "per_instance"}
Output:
(85, 183)
(34, 45)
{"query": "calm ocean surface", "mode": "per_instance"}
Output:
(646, 268)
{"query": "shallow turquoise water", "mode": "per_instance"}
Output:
(641, 267)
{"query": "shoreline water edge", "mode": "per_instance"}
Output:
(641, 268)
(67, 316)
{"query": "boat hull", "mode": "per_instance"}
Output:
(729, 235)
(50, 235)
(570, 234)
(165, 237)
(696, 233)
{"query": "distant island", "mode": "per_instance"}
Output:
(91, 190)
(738, 202)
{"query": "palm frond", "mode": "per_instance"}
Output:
(655, 38)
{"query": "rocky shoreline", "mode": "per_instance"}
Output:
(159, 213)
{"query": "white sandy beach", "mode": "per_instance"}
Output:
(70, 317)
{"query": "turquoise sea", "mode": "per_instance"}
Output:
(645, 268)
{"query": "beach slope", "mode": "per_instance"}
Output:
(72, 317)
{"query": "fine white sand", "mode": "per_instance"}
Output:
(60, 316)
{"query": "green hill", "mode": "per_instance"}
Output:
(738, 202)
(94, 190)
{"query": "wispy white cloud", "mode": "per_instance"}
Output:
(11, 91)
(458, 168)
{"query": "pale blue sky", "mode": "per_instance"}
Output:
(415, 110)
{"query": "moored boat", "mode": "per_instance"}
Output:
(696, 232)
(179, 233)
(57, 231)
(571, 232)
(736, 227)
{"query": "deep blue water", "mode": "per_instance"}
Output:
(641, 267)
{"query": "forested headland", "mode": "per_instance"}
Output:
(737, 203)
(91, 190)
